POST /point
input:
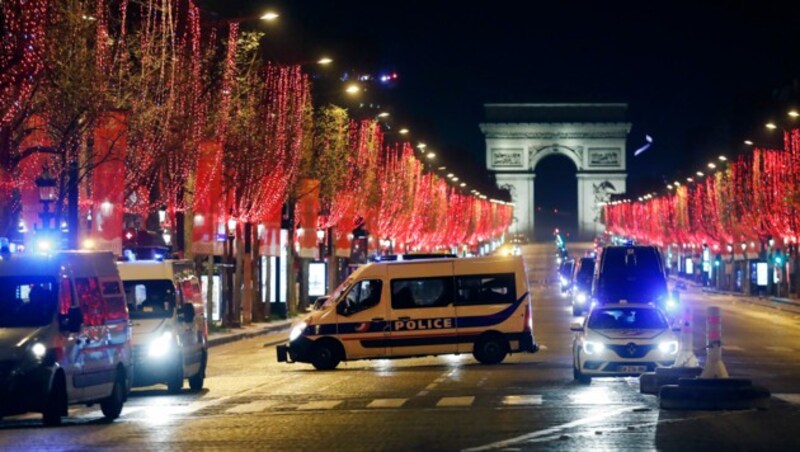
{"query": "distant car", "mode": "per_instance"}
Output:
(622, 340)
(633, 274)
(565, 274)
(582, 285)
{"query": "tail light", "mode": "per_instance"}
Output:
(527, 321)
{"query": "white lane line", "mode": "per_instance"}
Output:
(455, 401)
(791, 398)
(780, 349)
(320, 405)
(422, 393)
(430, 386)
(542, 347)
(517, 400)
(387, 403)
(552, 430)
(732, 348)
(256, 406)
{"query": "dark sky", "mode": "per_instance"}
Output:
(698, 78)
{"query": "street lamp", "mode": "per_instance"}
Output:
(403, 131)
(324, 61)
(352, 89)
(269, 16)
(431, 155)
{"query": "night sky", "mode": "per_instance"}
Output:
(699, 79)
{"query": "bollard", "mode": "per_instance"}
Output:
(713, 390)
(686, 357)
(714, 368)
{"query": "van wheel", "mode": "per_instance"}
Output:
(325, 356)
(581, 377)
(111, 406)
(196, 380)
(175, 382)
(56, 405)
(491, 349)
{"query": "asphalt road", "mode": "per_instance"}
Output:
(450, 402)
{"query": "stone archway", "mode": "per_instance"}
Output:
(593, 136)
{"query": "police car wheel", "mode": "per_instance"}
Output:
(491, 349)
(56, 404)
(175, 382)
(112, 405)
(578, 375)
(324, 356)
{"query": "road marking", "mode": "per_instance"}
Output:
(551, 430)
(430, 386)
(516, 400)
(732, 348)
(542, 347)
(252, 407)
(780, 349)
(320, 405)
(422, 393)
(791, 398)
(455, 401)
(387, 403)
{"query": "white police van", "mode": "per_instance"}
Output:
(64, 334)
(417, 308)
(170, 335)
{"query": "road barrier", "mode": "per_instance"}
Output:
(713, 390)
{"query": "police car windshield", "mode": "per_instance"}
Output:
(27, 301)
(626, 318)
(150, 299)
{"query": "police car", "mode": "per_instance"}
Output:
(396, 309)
(622, 339)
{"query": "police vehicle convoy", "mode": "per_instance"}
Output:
(478, 305)
(64, 334)
(170, 336)
(581, 288)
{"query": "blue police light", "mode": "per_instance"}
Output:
(672, 304)
(778, 260)
(159, 257)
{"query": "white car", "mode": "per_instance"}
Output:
(622, 339)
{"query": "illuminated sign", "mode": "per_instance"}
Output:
(316, 279)
(689, 266)
(762, 271)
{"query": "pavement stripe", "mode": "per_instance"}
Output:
(552, 430)
(455, 401)
(387, 403)
(791, 398)
(732, 348)
(517, 400)
(320, 405)
(252, 407)
(780, 349)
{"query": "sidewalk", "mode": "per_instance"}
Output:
(779, 303)
(248, 331)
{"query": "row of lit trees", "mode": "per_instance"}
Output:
(140, 107)
(753, 198)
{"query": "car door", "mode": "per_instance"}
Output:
(423, 315)
(96, 352)
(190, 336)
(362, 323)
(71, 342)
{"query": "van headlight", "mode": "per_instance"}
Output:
(580, 298)
(38, 350)
(160, 346)
(297, 331)
(668, 347)
(591, 348)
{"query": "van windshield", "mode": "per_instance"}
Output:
(150, 299)
(27, 301)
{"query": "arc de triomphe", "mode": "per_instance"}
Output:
(593, 136)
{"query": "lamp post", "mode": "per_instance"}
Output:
(230, 308)
(46, 185)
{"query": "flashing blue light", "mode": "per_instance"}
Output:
(159, 257)
(716, 263)
(671, 304)
(778, 261)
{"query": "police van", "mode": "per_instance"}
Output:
(64, 334)
(417, 308)
(170, 335)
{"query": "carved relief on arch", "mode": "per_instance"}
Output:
(575, 154)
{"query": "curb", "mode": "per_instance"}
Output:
(274, 328)
(780, 304)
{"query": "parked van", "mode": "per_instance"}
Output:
(64, 334)
(427, 307)
(170, 335)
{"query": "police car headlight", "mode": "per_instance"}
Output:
(668, 347)
(671, 304)
(38, 350)
(580, 298)
(591, 348)
(297, 331)
(563, 281)
(160, 346)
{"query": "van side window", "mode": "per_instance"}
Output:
(362, 296)
(65, 296)
(422, 292)
(90, 300)
(486, 289)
